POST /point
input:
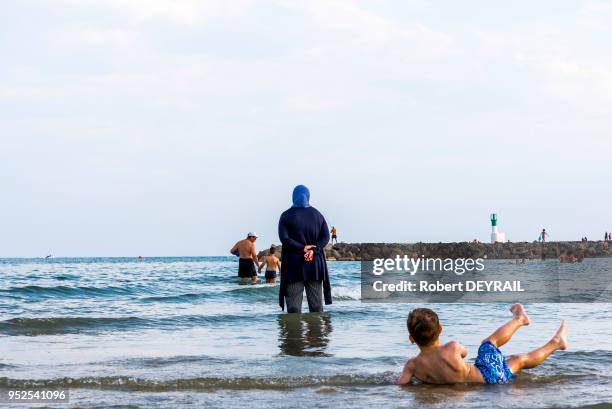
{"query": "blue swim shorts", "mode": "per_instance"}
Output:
(492, 364)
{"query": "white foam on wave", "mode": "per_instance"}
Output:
(343, 293)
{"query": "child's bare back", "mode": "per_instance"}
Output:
(442, 364)
(445, 364)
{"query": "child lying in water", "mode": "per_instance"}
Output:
(444, 364)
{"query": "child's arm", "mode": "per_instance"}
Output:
(263, 263)
(406, 373)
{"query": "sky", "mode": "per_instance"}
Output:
(171, 128)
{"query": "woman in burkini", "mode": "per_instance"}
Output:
(304, 234)
(271, 262)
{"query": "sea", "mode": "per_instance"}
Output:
(181, 332)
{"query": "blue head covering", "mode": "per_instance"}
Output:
(301, 196)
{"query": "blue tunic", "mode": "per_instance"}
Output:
(298, 227)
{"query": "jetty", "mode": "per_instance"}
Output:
(507, 250)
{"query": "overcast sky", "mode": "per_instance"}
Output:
(174, 127)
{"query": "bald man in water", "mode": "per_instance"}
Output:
(245, 249)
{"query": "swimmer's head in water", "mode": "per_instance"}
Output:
(423, 326)
(301, 196)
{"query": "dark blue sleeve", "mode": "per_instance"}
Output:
(283, 235)
(323, 238)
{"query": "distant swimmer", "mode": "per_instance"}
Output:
(334, 235)
(272, 263)
(245, 249)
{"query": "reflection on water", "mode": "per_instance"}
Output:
(304, 334)
(451, 395)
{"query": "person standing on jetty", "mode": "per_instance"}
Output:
(245, 249)
(334, 235)
(304, 234)
(543, 235)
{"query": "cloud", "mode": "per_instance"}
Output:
(561, 66)
(90, 37)
(337, 54)
(186, 12)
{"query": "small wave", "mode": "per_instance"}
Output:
(534, 380)
(156, 362)
(62, 325)
(264, 292)
(63, 277)
(586, 363)
(261, 288)
(263, 383)
(71, 325)
(62, 291)
(343, 293)
(138, 384)
(176, 298)
(251, 293)
(254, 293)
(354, 313)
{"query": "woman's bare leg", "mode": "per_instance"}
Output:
(537, 356)
(505, 332)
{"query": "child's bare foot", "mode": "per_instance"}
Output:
(519, 313)
(561, 336)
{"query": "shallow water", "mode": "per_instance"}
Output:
(168, 332)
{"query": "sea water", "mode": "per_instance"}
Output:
(168, 332)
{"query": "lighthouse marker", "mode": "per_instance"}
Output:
(496, 236)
